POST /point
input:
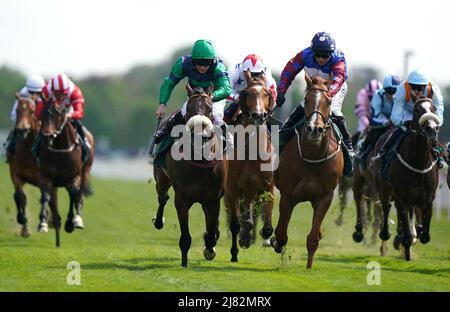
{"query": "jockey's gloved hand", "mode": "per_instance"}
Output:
(280, 99)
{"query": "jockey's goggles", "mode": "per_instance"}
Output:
(202, 62)
(34, 92)
(416, 87)
(322, 55)
(390, 90)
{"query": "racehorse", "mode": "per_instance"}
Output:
(249, 189)
(61, 165)
(194, 181)
(413, 176)
(22, 165)
(311, 165)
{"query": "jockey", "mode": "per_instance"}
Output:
(380, 113)
(320, 59)
(202, 68)
(32, 90)
(417, 85)
(362, 106)
(64, 92)
(256, 66)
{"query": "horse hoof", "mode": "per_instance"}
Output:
(244, 244)
(385, 235)
(397, 242)
(266, 243)
(43, 227)
(69, 226)
(78, 222)
(266, 232)
(234, 259)
(425, 238)
(158, 223)
(276, 246)
(25, 232)
(358, 236)
(209, 254)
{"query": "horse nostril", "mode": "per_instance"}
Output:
(309, 129)
(320, 130)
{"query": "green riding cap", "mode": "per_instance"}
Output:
(203, 49)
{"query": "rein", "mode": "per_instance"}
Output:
(55, 135)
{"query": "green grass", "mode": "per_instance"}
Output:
(119, 250)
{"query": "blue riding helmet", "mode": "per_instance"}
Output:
(391, 81)
(417, 77)
(323, 43)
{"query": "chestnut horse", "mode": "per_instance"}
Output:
(61, 165)
(22, 165)
(194, 181)
(413, 177)
(247, 183)
(311, 165)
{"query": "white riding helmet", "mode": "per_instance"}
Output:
(61, 84)
(35, 83)
(418, 77)
(253, 63)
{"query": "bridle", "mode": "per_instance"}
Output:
(54, 135)
(316, 112)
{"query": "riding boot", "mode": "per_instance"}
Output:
(286, 130)
(10, 145)
(342, 125)
(227, 137)
(439, 153)
(87, 146)
(174, 120)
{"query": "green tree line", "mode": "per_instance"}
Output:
(120, 108)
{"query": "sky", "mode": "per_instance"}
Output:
(84, 37)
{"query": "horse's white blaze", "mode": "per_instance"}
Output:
(258, 104)
(316, 101)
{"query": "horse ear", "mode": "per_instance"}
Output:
(189, 89)
(17, 95)
(308, 81)
(209, 90)
(248, 76)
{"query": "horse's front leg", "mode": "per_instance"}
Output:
(312, 242)
(426, 217)
(74, 191)
(280, 239)
(53, 203)
(183, 218)
(44, 185)
(267, 229)
(212, 211)
(402, 212)
(162, 187)
(21, 202)
(232, 204)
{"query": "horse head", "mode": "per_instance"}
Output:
(25, 120)
(199, 110)
(425, 119)
(317, 106)
(54, 119)
(255, 100)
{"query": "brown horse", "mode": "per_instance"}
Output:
(61, 165)
(413, 176)
(22, 165)
(194, 181)
(311, 166)
(247, 183)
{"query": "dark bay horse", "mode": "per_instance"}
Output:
(194, 181)
(61, 165)
(22, 165)
(247, 182)
(413, 176)
(311, 165)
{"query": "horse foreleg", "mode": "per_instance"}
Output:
(212, 211)
(280, 239)
(53, 203)
(183, 219)
(312, 242)
(402, 212)
(75, 198)
(21, 202)
(342, 190)
(358, 235)
(162, 187)
(426, 217)
(45, 198)
(267, 229)
(233, 214)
